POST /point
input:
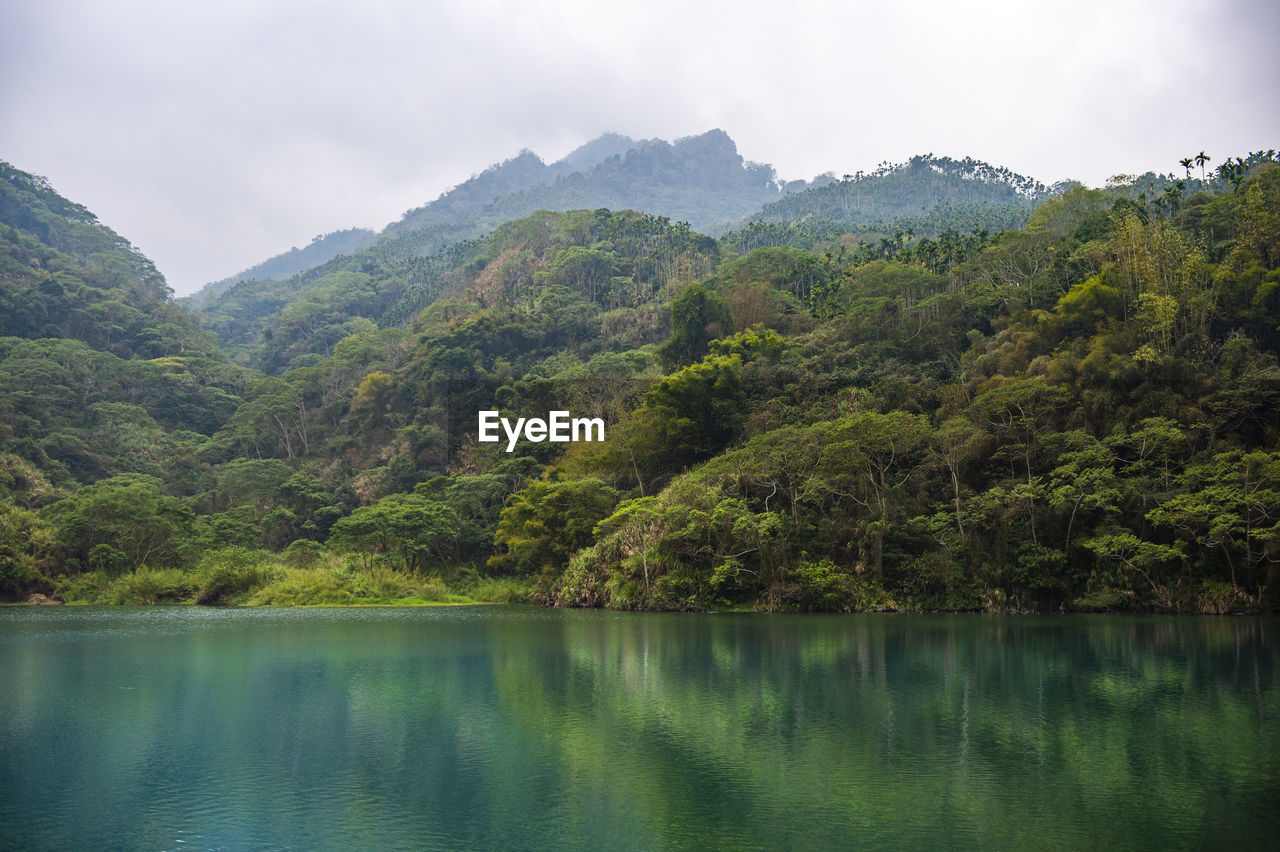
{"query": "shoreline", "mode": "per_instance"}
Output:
(410, 603)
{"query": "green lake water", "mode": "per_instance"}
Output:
(512, 728)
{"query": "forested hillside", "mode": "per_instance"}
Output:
(65, 275)
(323, 248)
(926, 196)
(701, 180)
(1080, 413)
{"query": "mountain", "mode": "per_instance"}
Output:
(321, 249)
(699, 179)
(913, 188)
(925, 194)
(476, 199)
(63, 274)
(101, 372)
(452, 216)
(598, 150)
(702, 180)
(468, 201)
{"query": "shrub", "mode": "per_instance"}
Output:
(152, 586)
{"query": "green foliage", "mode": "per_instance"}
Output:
(321, 249)
(546, 522)
(927, 195)
(503, 590)
(409, 529)
(232, 573)
(686, 417)
(1078, 413)
(823, 586)
(26, 545)
(755, 342)
(697, 317)
(121, 524)
(65, 275)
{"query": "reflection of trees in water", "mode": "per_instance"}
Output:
(514, 727)
(1006, 730)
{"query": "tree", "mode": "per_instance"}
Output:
(1018, 413)
(409, 528)
(274, 419)
(687, 417)
(1235, 512)
(868, 458)
(956, 444)
(546, 522)
(1124, 554)
(121, 524)
(1085, 478)
(635, 523)
(254, 482)
(697, 317)
(586, 271)
(26, 543)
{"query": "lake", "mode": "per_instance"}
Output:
(511, 727)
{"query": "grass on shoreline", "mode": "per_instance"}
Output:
(242, 577)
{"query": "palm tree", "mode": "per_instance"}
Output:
(1232, 172)
(1186, 164)
(1239, 171)
(1201, 159)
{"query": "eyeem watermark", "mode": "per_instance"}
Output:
(559, 428)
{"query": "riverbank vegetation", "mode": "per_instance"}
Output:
(1080, 413)
(299, 577)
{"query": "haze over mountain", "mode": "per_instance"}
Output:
(361, 113)
(913, 188)
(322, 248)
(702, 180)
(611, 170)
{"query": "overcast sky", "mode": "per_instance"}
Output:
(216, 134)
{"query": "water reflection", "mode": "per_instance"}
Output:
(516, 728)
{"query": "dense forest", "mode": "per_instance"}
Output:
(940, 385)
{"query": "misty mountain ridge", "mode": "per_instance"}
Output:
(520, 186)
(702, 180)
(322, 248)
(596, 151)
(699, 179)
